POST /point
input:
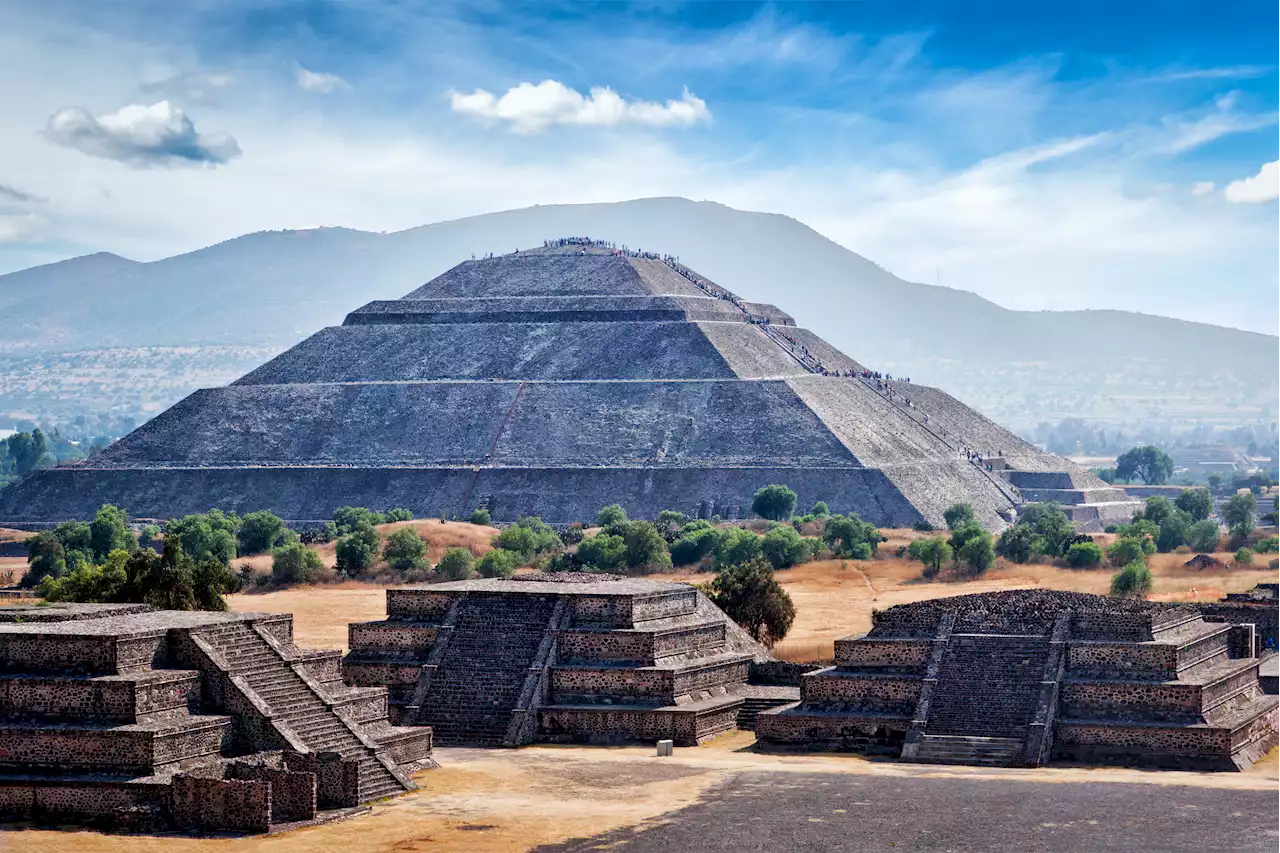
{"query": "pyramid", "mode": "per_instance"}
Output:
(552, 382)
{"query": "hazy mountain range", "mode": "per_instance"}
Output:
(271, 289)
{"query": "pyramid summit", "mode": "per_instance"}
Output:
(551, 382)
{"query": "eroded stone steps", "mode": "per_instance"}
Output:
(956, 749)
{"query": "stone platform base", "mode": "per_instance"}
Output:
(830, 731)
(686, 725)
(131, 805)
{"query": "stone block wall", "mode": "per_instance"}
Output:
(202, 803)
(883, 655)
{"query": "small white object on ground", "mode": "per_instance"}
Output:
(664, 747)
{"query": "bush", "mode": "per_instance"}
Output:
(1268, 545)
(347, 519)
(169, 581)
(1016, 543)
(783, 547)
(750, 595)
(1174, 531)
(499, 563)
(1133, 581)
(1244, 557)
(1051, 530)
(1084, 555)
(923, 526)
(1203, 536)
(399, 514)
(774, 502)
(482, 517)
(843, 533)
(405, 550)
(603, 552)
(1126, 550)
(1240, 514)
(109, 531)
(977, 554)
(736, 546)
(820, 510)
(933, 552)
(46, 558)
(694, 543)
(645, 546)
(1197, 503)
(211, 536)
(1156, 509)
(611, 516)
(572, 534)
(357, 550)
(457, 564)
(958, 515)
(669, 523)
(147, 536)
(295, 563)
(259, 532)
(528, 537)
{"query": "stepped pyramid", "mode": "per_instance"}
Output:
(552, 382)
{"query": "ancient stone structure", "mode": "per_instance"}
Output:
(1259, 606)
(553, 382)
(1023, 677)
(560, 658)
(130, 717)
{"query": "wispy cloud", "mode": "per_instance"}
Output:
(21, 227)
(14, 194)
(140, 136)
(1225, 72)
(192, 87)
(1182, 133)
(529, 107)
(318, 81)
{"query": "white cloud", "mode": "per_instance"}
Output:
(529, 108)
(192, 87)
(21, 227)
(159, 134)
(1259, 189)
(1224, 72)
(319, 82)
(1202, 188)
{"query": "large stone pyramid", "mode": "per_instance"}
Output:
(552, 382)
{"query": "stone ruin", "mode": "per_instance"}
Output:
(134, 718)
(1031, 676)
(560, 658)
(555, 381)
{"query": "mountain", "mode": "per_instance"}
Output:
(273, 288)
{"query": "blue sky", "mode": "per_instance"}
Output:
(1043, 155)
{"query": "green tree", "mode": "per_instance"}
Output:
(669, 523)
(347, 519)
(694, 543)
(603, 552)
(482, 517)
(1133, 581)
(46, 558)
(1174, 531)
(1016, 543)
(749, 594)
(977, 554)
(27, 451)
(1244, 557)
(399, 514)
(1148, 462)
(962, 534)
(958, 515)
(1269, 545)
(1197, 503)
(1240, 514)
(934, 552)
(1126, 550)
(259, 532)
(498, 563)
(737, 546)
(109, 531)
(820, 510)
(611, 517)
(457, 564)
(1203, 536)
(783, 547)
(358, 549)
(295, 563)
(1084, 555)
(1051, 530)
(849, 537)
(774, 502)
(1155, 510)
(405, 550)
(645, 545)
(211, 536)
(147, 535)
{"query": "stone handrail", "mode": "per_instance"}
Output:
(524, 718)
(1039, 739)
(434, 657)
(920, 718)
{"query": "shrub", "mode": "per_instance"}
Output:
(1240, 514)
(528, 537)
(694, 543)
(783, 547)
(923, 526)
(1133, 581)
(1051, 530)
(1203, 536)
(933, 552)
(347, 519)
(1016, 543)
(750, 595)
(357, 550)
(109, 531)
(482, 517)
(603, 552)
(572, 534)
(295, 563)
(1125, 550)
(774, 502)
(211, 536)
(736, 546)
(843, 533)
(1155, 510)
(1244, 557)
(457, 564)
(1174, 531)
(645, 545)
(46, 558)
(1268, 545)
(147, 536)
(169, 581)
(259, 532)
(405, 550)
(611, 516)
(499, 563)
(399, 514)
(1111, 528)
(977, 554)
(669, 523)
(1084, 555)
(958, 515)
(820, 510)
(1197, 503)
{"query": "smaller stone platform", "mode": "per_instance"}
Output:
(557, 658)
(135, 718)
(1022, 677)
